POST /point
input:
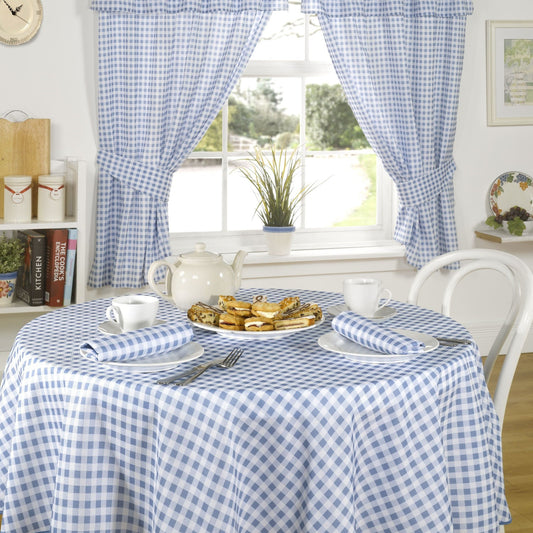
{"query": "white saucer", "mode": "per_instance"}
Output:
(162, 361)
(335, 342)
(381, 314)
(112, 328)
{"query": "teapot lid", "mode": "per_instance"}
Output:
(200, 254)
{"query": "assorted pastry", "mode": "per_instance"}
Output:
(258, 315)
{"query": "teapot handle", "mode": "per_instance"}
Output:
(168, 280)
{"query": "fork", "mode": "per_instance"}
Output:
(228, 362)
(200, 369)
(193, 370)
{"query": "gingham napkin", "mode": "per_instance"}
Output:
(372, 335)
(137, 344)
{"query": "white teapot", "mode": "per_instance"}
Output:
(198, 276)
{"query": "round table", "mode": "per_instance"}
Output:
(294, 438)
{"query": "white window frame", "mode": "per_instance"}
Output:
(225, 241)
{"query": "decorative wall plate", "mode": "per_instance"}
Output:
(510, 189)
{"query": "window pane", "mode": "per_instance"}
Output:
(212, 139)
(262, 110)
(347, 197)
(283, 37)
(317, 46)
(241, 200)
(330, 122)
(196, 196)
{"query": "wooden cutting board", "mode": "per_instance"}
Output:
(24, 149)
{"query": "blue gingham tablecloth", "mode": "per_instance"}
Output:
(294, 438)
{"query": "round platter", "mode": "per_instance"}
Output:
(510, 189)
(255, 335)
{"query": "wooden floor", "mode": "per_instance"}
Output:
(518, 446)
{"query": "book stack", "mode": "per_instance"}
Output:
(47, 275)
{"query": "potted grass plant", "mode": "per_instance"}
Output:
(11, 259)
(280, 201)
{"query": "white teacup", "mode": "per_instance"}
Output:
(132, 312)
(363, 295)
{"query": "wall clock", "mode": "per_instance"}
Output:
(19, 20)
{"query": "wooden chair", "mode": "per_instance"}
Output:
(517, 323)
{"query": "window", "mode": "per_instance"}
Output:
(288, 96)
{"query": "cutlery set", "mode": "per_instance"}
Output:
(187, 377)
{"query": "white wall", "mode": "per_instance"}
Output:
(54, 76)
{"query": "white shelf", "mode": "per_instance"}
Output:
(500, 235)
(76, 200)
(69, 222)
(18, 307)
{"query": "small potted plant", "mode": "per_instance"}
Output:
(11, 259)
(273, 180)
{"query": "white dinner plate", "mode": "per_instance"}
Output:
(112, 328)
(255, 335)
(335, 342)
(381, 314)
(162, 361)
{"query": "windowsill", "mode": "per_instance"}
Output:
(378, 251)
(385, 257)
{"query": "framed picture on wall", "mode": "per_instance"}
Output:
(509, 72)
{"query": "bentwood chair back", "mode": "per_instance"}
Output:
(516, 325)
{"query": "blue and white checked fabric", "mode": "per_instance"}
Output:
(374, 335)
(164, 73)
(390, 8)
(177, 6)
(400, 64)
(137, 344)
(294, 438)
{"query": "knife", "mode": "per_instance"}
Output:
(452, 341)
(193, 370)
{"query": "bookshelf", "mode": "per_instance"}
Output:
(75, 172)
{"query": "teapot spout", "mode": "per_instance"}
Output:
(237, 267)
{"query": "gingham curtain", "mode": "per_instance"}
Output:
(165, 70)
(400, 65)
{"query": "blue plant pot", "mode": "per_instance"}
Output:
(279, 239)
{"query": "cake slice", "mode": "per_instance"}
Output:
(231, 322)
(294, 323)
(204, 314)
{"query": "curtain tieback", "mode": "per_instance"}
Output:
(420, 190)
(147, 179)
